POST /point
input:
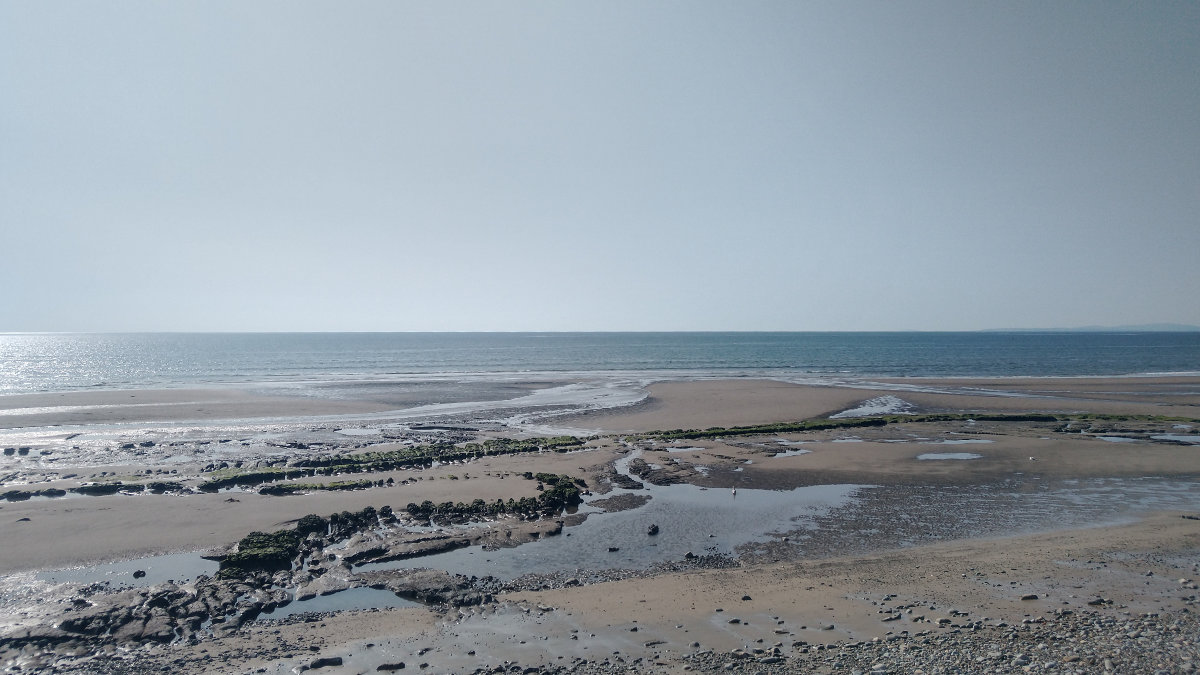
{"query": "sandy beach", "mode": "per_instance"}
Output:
(705, 403)
(1081, 492)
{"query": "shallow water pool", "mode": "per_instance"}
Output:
(159, 569)
(690, 519)
(351, 598)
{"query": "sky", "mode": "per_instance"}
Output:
(614, 165)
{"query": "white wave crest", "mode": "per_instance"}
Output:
(880, 405)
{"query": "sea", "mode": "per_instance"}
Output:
(53, 362)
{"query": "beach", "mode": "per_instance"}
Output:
(876, 541)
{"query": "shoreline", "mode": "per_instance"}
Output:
(938, 511)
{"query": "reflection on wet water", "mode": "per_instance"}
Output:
(1192, 439)
(353, 598)
(821, 521)
(158, 569)
(901, 516)
(690, 519)
(948, 455)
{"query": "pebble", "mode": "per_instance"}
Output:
(1080, 642)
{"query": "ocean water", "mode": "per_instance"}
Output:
(33, 362)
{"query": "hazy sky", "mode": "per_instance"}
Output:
(598, 165)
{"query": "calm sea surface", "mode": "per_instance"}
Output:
(58, 362)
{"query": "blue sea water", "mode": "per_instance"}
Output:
(34, 362)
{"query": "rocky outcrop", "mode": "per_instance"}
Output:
(433, 587)
(402, 548)
(156, 614)
(658, 475)
(22, 495)
(261, 552)
(258, 574)
(622, 481)
(621, 502)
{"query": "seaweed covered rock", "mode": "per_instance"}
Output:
(100, 489)
(261, 552)
(312, 523)
(161, 486)
(561, 493)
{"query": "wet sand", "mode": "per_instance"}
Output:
(791, 600)
(702, 404)
(76, 530)
(164, 405)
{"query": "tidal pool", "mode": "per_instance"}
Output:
(690, 519)
(1193, 439)
(948, 455)
(360, 432)
(159, 569)
(900, 516)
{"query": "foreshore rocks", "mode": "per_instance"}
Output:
(622, 481)
(660, 475)
(621, 502)
(432, 587)
(23, 495)
(1070, 642)
(257, 575)
(1080, 642)
(402, 548)
(96, 490)
(158, 614)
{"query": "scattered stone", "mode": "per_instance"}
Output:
(325, 662)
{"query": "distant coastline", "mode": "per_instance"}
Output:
(1138, 328)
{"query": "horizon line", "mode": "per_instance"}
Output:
(1149, 328)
